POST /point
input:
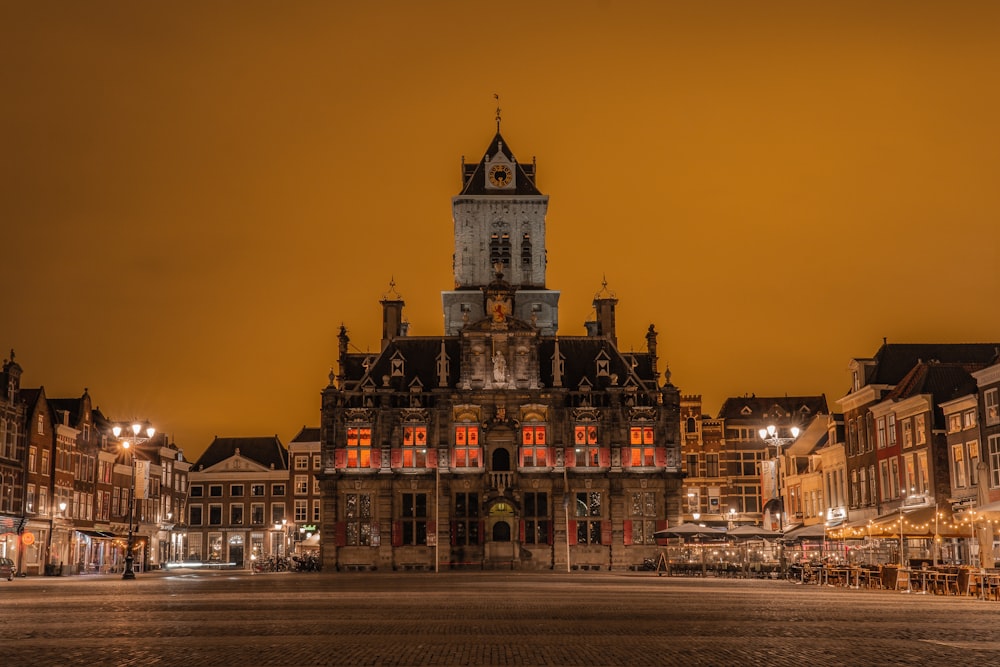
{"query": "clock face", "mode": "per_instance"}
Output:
(501, 175)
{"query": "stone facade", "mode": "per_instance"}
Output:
(499, 444)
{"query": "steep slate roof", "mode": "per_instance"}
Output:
(894, 361)
(71, 405)
(30, 396)
(266, 450)
(474, 175)
(419, 362)
(307, 434)
(733, 408)
(943, 382)
(580, 354)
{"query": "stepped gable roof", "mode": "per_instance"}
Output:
(307, 434)
(580, 364)
(474, 175)
(943, 382)
(419, 357)
(893, 361)
(760, 408)
(265, 450)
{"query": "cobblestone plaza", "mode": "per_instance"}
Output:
(225, 618)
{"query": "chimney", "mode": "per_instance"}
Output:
(392, 320)
(651, 346)
(605, 307)
(392, 315)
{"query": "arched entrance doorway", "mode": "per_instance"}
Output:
(501, 545)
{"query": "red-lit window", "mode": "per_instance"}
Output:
(467, 451)
(585, 445)
(414, 446)
(642, 450)
(359, 446)
(534, 452)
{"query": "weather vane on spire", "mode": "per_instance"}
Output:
(496, 96)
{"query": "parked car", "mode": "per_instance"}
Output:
(7, 568)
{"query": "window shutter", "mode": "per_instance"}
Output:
(453, 530)
(376, 460)
(661, 524)
(571, 535)
(604, 457)
(605, 532)
(660, 456)
(569, 457)
(340, 534)
(340, 458)
(396, 457)
(432, 530)
(549, 531)
(520, 530)
(432, 458)
(627, 525)
(397, 533)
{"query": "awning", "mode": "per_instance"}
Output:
(923, 522)
(990, 507)
(96, 533)
(811, 532)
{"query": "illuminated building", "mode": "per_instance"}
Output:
(498, 444)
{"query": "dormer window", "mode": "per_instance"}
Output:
(397, 365)
(603, 362)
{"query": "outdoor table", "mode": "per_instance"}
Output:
(924, 576)
(841, 576)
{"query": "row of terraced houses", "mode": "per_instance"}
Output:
(501, 444)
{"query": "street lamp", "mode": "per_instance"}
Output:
(771, 438)
(129, 572)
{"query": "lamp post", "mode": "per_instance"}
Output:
(771, 438)
(129, 572)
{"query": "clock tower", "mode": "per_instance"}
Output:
(499, 221)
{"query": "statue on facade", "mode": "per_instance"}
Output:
(499, 368)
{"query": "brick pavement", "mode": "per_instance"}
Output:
(218, 618)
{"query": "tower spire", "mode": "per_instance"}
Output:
(496, 96)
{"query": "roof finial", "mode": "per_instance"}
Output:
(392, 294)
(496, 96)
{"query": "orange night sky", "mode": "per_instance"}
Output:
(195, 195)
